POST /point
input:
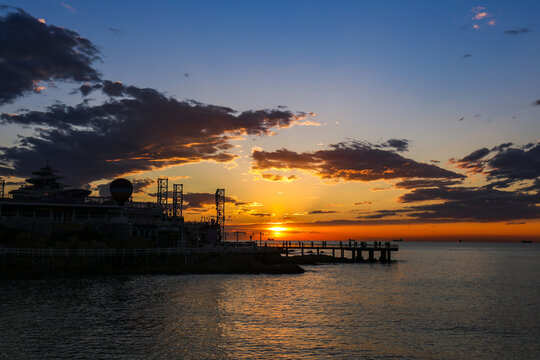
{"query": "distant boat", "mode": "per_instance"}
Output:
(400, 239)
(526, 241)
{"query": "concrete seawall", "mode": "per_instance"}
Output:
(43, 263)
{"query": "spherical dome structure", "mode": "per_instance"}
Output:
(121, 190)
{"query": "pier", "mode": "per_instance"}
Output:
(224, 258)
(356, 249)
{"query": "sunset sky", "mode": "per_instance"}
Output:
(323, 120)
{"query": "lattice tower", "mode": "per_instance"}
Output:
(178, 200)
(162, 194)
(220, 213)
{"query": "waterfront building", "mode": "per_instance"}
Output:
(46, 206)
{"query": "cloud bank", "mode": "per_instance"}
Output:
(352, 161)
(32, 52)
(133, 130)
(142, 130)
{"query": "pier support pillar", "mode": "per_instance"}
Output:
(317, 251)
(359, 255)
(371, 257)
(302, 250)
(342, 253)
(389, 258)
(333, 252)
(382, 258)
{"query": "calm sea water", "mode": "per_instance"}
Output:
(439, 301)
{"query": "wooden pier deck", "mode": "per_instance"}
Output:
(355, 248)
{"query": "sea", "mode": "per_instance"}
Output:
(436, 301)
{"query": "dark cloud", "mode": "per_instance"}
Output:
(6, 171)
(109, 88)
(135, 130)
(32, 51)
(504, 164)
(350, 161)
(535, 186)
(186, 74)
(472, 161)
(425, 183)
(363, 203)
(274, 177)
(455, 204)
(194, 201)
(199, 200)
(116, 31)
(476, 155)
(322, 212)
(261, 214)
(398, 144)
(444, 200)
(536, 103)
(472, 204)
(502, 146)
(140, 184)
(515, 164)
(518, 31)
(379, 214)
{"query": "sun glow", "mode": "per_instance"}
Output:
(277, 229)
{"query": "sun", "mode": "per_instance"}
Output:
(277, 228)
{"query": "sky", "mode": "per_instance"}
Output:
(322, 120)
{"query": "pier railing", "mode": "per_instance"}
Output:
(362, 245)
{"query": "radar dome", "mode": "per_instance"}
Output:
(121, 190)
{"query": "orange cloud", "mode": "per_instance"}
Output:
(480, 15)
(37, 87)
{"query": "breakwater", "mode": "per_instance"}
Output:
(24, 262)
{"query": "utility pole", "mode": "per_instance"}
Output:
(260, 237)
(239, 232)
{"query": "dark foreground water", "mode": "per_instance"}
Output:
(439, 301)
